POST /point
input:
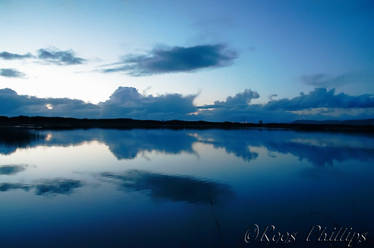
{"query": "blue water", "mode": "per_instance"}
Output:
(185, 188)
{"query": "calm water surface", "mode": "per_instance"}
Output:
(166, 188)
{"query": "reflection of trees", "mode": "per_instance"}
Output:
(124, 144)
(318, 148)
(13, 138)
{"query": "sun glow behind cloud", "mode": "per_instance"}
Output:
(49, 106)
(59, 82)
(85, 83)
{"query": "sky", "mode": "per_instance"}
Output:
(227, 60)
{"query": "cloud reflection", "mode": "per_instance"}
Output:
(13, 186)
(11, 169)
(318, 148)
(126, 144)
(57, 186)
(172, 188)
(47, 187)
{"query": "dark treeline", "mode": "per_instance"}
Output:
(123, 123)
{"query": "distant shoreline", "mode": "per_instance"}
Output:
(363, 126)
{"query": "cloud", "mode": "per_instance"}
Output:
(13, 104)
(272, 96)
(59, 57)
(240, 99)
(322, 98)
(323, 80)
(239, 108)
(318, 104)
(48, 55)
(13, 56)
(175, 59)
(172, 188)
(127, 102)
(11, 169)
(11, 73)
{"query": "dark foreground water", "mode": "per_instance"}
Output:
(165, 188)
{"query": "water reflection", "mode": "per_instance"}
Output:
(11, 169)
(13, 138)
(320, 149)
(47, 187)
(12, 186)
(91, 188)
(57, 186)
(128, 144)
(172, 188)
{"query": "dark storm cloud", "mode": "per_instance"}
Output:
(172, 188)
(59, 57)
(175, 59)
(13, 56)
(11, 73)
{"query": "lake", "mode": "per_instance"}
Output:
(185, 188)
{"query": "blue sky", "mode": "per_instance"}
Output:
(210, 50)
